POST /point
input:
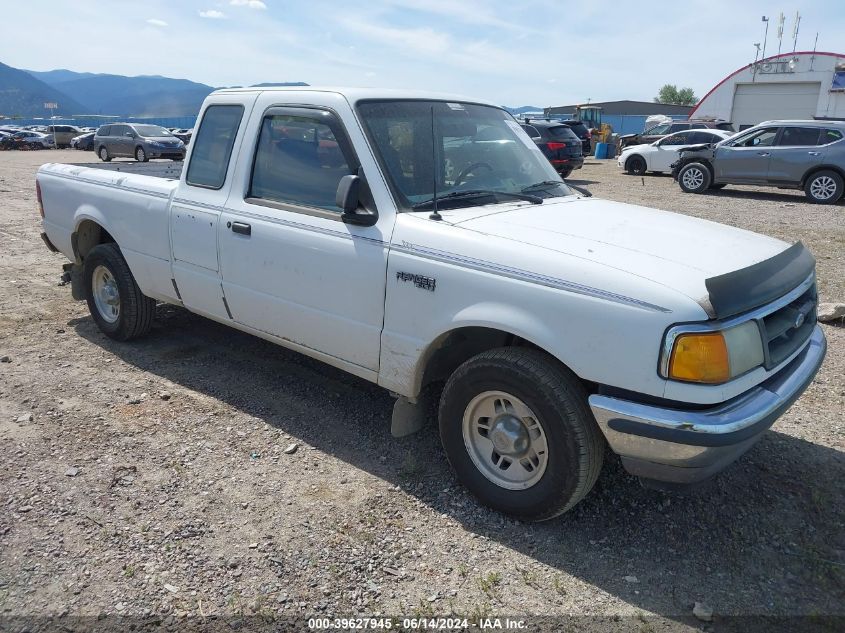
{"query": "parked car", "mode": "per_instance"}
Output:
(183, 134)
(659, 155)
(664, 129)
(808, 155)
(83, 141)
(582, 132)
(25, 139)
(137, 140)
(63, 134)
(558, 143)
(548, 324)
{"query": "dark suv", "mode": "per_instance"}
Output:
(664, 129)
(558, 142)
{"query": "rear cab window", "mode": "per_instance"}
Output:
(213, 145)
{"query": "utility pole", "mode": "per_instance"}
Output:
(795, 31)
(51, 106)
(765, 37)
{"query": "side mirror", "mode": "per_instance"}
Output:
(348, 199)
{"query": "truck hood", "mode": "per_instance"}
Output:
(677, 251)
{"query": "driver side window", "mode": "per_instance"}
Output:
(759, 138)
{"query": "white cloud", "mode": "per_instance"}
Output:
(252, 4)
(213, 14)
(156, 22)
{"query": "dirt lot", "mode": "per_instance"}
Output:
(152, 479)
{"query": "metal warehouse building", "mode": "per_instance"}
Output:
(805, 85)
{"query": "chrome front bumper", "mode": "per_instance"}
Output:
(685, 447)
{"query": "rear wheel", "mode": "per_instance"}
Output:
(824, 187)
(565, 172)
(694, 178)
(141, 155)
(104, 154)
(117, 305)
(635, 166)
(517, 430)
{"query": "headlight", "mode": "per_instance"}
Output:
(713, 356)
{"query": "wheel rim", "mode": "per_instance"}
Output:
(106, 295)
(823, 188)
(693, 178)
(139, 154)
(638, 166)
(505, 440)
(104, 154)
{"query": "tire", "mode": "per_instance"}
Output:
(117, 305)
(520, 379)
(824, 187)
(141, 155)
(694, 178)
(718, 185)
(566, 172)
(636, 165)
(103, 153)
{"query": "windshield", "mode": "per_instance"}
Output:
(151, 130)
(479, 151)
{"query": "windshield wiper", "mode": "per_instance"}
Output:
(477, 193)
(542, 185)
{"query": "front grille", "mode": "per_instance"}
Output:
(787, 328)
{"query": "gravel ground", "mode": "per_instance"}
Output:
(205, 472)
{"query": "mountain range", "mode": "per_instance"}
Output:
(23, 93)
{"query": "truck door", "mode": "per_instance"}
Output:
(291, 267)
(196, 207)
(795, 153)
(746, 160)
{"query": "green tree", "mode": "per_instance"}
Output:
(671, 94)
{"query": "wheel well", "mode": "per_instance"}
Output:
(628, 160)
(703, 161)
(815, 170)
(88, 235)
(454, 348)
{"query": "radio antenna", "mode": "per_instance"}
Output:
(435, 215)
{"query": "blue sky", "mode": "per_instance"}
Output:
(516, 52)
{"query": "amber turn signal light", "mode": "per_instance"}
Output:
(700, 358)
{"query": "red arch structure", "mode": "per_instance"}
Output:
(759, 61)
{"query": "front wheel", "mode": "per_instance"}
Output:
(694, 178)
(141, 155)
(516, 428)
(636, 166)
(118, 306)
(565, 172)
(824, 187)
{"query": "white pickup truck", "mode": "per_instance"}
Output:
(425, 244)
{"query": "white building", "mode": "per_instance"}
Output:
(805, 85)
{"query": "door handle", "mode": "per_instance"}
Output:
(762, 153)
(240, 227)
(814, 153)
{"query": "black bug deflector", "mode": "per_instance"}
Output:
(761, 283)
